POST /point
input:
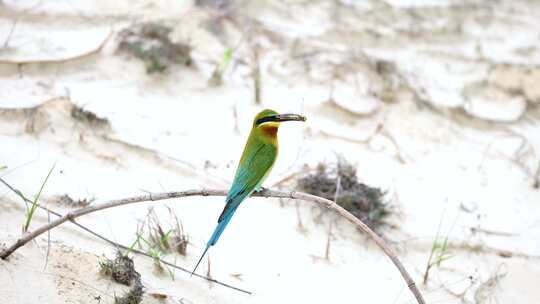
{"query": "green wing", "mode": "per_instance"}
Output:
(250, 174)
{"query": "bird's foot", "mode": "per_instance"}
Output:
(260, 189)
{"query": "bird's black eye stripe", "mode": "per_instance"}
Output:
(265, 119)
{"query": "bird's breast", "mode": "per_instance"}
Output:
(270, 130)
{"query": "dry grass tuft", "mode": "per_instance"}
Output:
(339, 182)
(133, 296)
(68, 201)
(121, 269)
(163, 238)
(150, 42)
(88, 117)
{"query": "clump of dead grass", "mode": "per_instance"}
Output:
(339, 182)
(179, 239)
(151, 43)
(158, 239)
(133, 296)
(163, 237)
(88, 117)
(67, 200)
(122, 270)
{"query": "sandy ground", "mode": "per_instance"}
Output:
(434, 101)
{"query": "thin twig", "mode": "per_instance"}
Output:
(48, 242)
(300, 226)
(70, 216)
(19, 15)
(236, 125)
(16, 191)
(164, 159)
(518, 156)
(59, 60)
(13, 25)
(285, 179)
(208, 271)
(504, 253)
(536, 182)
(329, 237)
(486, 290)
(399, 155)
(256, 74)
(328, 242)
(120, 246)
(492, 232)
(456, 244)
(461, 295)
(364, 140)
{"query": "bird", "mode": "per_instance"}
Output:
(258, 158)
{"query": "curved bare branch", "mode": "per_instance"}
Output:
(25, 238)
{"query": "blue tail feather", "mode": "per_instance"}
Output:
(215, 236)
(200, 259)
(220, 227)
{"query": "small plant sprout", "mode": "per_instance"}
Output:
(157, 237)
(152, 251)
(30, 212)
(3, 167)
(136, 242)
(172, 270)
(180, 238)
(221, 67)
(439, 252)
(158, 241)
(225, 61)
(106, 267)
(156, 254)
(164, 239)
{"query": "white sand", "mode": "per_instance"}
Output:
(174, 132)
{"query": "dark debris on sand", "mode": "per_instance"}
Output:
(133, 296)
(88, 117)
(67, 200)
(122, 270)
(365, 202)
(151, 43)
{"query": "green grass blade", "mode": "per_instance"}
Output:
(137, 241)
(444, 247)
(443, 258)
(139, 236)
(30, 213)
(225, 60)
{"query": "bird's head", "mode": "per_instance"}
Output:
(267, 121)
(269, 117)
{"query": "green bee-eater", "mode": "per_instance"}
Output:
(259, 155)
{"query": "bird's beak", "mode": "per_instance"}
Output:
(288, 117)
